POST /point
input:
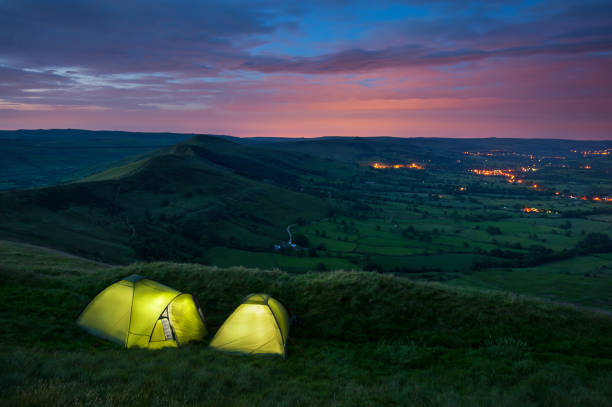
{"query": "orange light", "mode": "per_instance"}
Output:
(528, 210)
(378, 165)
(557, 193)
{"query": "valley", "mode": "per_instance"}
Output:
(227, 202)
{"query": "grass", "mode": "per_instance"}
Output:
(35, 158)
(383, 374)
(226, 257)
(584, 280)
(181, 193)
(364, 339)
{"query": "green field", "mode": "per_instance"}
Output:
(225, 257)
(584, 280)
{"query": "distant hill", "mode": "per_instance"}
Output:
(171, 204)
(35, 158)
(444, 150)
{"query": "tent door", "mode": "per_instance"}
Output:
(167, 329)
(167, 326)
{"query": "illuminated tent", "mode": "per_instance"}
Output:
(260, 325)
(138, 312)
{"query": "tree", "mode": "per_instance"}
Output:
(301, 240)
(371, 266)
(595, 243)
(494, 230)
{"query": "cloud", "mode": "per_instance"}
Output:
(261, 66)
(359, 60)
(137, 36)
(28, 107)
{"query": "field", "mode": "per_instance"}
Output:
(584, 280)
(365, 339)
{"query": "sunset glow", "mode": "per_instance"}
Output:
(429, 69)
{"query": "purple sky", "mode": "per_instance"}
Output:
(538, 69)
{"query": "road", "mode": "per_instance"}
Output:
(289, 231)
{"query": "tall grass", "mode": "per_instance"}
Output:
(364, 339)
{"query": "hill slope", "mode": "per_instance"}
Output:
(37, 158)
(171, 204)
(364, 338)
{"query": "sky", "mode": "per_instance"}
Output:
(529, 69)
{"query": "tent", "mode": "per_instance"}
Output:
(260, 325)
(138, 312)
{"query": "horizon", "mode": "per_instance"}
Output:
(526, 70)
(309, 138)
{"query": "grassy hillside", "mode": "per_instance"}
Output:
(36, 158)
(365, 338)
(173, 204)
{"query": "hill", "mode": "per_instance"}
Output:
(441, 150)
(364, 338)
(37, 158)
(171, 204)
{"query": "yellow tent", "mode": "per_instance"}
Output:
(138, 312)
(260, 325)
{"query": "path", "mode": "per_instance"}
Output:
(289, 231)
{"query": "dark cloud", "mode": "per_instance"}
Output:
(205, 37)
(134, 36)
(358, 60)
